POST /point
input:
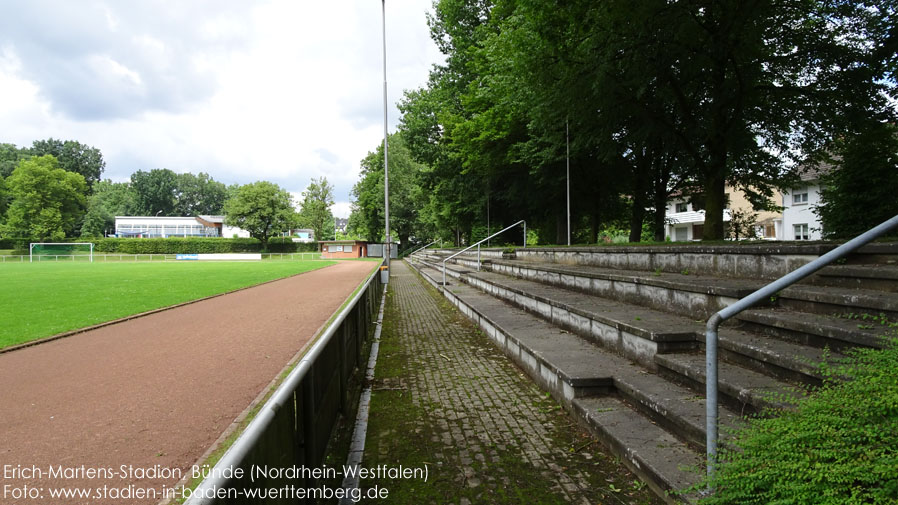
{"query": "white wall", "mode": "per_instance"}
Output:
(801, 213)
(230, 231)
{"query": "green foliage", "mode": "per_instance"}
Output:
(261, 208)
(859, 193)
(4, 200)
(658, 96)
(10, 156)
(47, 201)
(742, 224)
(406, 195)
(199, 194)
(156, 191)
(74, 157)
(108, 200)
(837, 447)
(315, 211)
(179, 245)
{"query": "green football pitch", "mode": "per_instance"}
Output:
(43, 299)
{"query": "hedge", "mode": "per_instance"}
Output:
(840, 446)
(177, 245)
(174, 245)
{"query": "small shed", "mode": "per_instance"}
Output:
(343, 249)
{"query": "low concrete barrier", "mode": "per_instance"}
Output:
(221, 257)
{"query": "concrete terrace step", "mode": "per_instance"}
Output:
(782, 359)
(821, 331)
(633, 422)
(878, 277)
(744, 390)
(635, 332)
(838, 300)
(639, 333)
(661, 459)
(697, 295)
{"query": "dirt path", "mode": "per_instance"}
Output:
(154, 392)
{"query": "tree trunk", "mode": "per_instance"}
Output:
(594, 221)
(715, 202)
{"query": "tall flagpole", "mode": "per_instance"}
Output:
(388, 244)
(567, 142)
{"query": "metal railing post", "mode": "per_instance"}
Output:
(711, 389)
(503, 230)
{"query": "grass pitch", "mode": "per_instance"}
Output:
(43, 299)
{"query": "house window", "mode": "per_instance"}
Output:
(769, 231)
(681, 207)
(801, 232)
(681, 234)
(800, 196)
(334, 248)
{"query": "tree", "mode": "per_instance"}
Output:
(315, 212)
(4, 200)
(261, 208)
(156, 191)
(73, 156)
(859, 192)
(10, 156)
(108, 200)
(406, 196)
(198, 195)
(47, 201)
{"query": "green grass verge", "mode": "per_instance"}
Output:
(44, 299)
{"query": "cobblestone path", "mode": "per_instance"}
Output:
(445, 398)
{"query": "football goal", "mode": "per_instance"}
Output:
(56, 251)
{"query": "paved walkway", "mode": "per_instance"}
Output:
(446, 398)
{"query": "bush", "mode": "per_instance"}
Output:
(840, 445)
(178, 245)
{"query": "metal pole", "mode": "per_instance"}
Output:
(711, 343)
(567, 142)
(383, 4)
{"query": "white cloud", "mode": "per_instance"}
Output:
(278, 90)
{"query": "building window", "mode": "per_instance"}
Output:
(681, 207)
(800, 196)
(769, 231)
(801, 232)
(334, 248)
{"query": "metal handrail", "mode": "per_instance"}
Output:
(711, 415)
(421, 248)
(503, 230)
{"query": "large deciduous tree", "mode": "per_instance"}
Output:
(406, 197)
(47, 201)
(108, 200)
(156, 191)
(315, 210)
(198, 194)
(73, 156)
(860, 191)
(261, 208)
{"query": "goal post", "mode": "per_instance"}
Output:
(68, 249)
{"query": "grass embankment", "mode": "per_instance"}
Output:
(44, 299)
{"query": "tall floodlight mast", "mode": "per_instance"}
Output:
(388, 243)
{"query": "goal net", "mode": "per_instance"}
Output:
(61, 251)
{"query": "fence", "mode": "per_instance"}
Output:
(294, 426)
(23, 258)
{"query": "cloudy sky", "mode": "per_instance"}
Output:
(280, 90)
